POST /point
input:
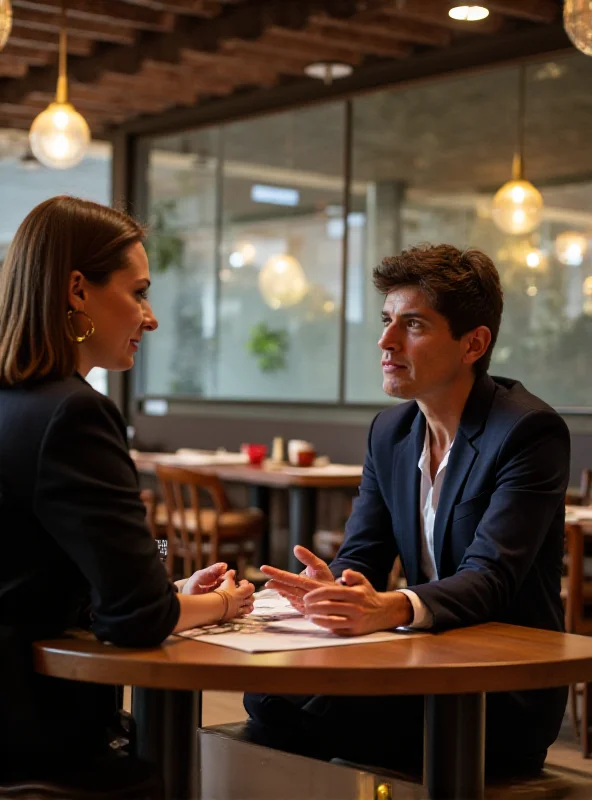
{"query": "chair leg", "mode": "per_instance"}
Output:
(586, 739)
(241, 565)
(572, 706)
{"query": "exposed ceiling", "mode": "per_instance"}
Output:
(129, 58)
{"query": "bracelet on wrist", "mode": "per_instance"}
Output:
(226, 598)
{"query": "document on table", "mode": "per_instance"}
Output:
(275, 626)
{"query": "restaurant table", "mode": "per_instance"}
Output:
(453, 670)
(301, 482)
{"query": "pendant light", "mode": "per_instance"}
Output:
(571, 247)
(59, 136)
(577, 20)
(282, 281)
(5, 21)
(518, 205)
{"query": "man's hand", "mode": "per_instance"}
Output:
(293, 587)
(204, 580)
(355, 607)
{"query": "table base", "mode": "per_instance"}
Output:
(454, 746)
(166, 726)
(302, 522)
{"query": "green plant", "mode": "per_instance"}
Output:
(165, 246)
(269, 347)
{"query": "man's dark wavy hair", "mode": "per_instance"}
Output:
(462, 285)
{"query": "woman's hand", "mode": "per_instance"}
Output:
(204, 580)
(240, 598)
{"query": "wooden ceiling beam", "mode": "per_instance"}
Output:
(192, 85)
(245, 20)
(99, 105)
(355, 44)
(301, 48)
(228, 66)
(27, 113)
(140, 83)
(45, 40)
(283, 62)
(10, 68)
(14, 123)
(105, 11)
(151, 87)
(544, 11)
(29, 55)
(366, 24)
(197, 8)
(117, 96)
(83, 28)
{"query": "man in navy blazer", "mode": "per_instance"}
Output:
(466, 483)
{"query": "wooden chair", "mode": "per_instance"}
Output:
(149, 500)
(584, 496)
(576, 592)
(201, 535)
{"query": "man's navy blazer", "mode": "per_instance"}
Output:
(499, 527)
(498, 533)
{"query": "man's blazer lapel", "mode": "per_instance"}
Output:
(406, 478)
(463, 454)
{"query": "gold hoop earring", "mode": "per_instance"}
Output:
(88, 332)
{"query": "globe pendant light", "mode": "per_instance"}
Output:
(282, 281)
(5, 21)
(517, 206)
(571, 247)
(59, 136)
(577, 20)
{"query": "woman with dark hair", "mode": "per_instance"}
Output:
(73, 296)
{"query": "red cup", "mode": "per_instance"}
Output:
(306, 458)
(256, 453)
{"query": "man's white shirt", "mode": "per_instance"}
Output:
(429, 497)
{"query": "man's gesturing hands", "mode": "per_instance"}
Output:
(293, 587)
(349, 607)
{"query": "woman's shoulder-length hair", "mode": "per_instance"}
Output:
(59, 235)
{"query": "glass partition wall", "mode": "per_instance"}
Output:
(264, 233)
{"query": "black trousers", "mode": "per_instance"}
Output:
(388, 731)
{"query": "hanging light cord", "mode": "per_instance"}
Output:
(62, 90)
(518, 165)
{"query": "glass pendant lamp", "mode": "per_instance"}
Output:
(59, 136)
(5, 21)
(577, 21)
(518, 205)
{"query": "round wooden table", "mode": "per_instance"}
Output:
(453, 669)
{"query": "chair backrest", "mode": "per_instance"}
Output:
(149, 500)
(574, 603)
(586, 487)
(182, 491)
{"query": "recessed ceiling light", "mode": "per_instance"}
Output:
(468, 13)
(328, 71)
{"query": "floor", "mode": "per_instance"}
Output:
(222, 707)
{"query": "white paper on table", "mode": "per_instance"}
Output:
(275, 626)
(329, 471)
(204, 459)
